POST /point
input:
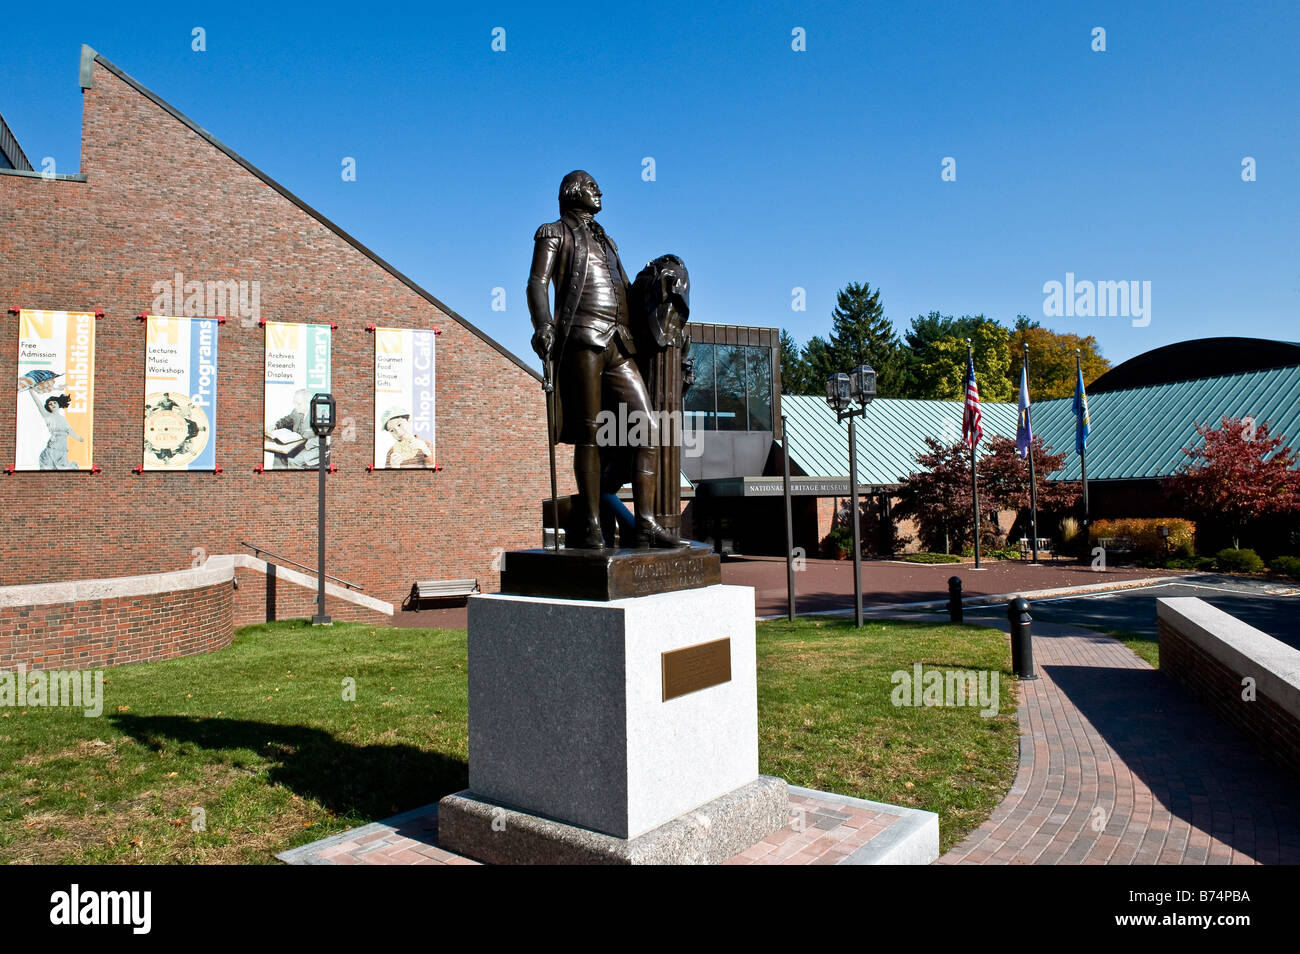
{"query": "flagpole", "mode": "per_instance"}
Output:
(1033, 489)
(1083, 458)
(974, 482)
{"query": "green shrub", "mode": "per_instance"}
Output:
(1004, 553)
(1190, 563)
(932, 558)
(1286, 566)
(1144, 535)
(1238, 561)
(837, 542)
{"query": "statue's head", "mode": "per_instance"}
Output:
(578, 191)
(662, 292)
(668, 285)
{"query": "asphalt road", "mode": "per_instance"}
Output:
(1270, 607)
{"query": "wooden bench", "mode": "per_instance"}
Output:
(441, 590)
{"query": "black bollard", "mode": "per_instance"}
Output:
(954, 598)
(1022, 646)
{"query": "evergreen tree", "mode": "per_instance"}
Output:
(861, 334)
(818, 365)
(793, 377)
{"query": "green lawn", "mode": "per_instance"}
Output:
(1148, 647)
(260, 738)
(826, 719)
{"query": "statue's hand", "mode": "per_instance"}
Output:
(544, 341)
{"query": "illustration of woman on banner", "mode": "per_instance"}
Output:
(41, 385)
(407, 450)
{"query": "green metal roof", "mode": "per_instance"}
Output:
(1141, 432)
(1137, 433)
(890, 434)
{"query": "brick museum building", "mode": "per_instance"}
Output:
(107, 557)
(159, 200)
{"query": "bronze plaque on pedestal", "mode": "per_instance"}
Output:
(696, 667)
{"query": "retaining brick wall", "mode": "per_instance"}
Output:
(115, 631)
(160, 199)
(290, 601)
(1271, 721)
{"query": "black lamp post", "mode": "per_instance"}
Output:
(322, 423)
(1164, 535)
(841, 391)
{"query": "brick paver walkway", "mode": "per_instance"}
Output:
(820, 832)
(1118, 765)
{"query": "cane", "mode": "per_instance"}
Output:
(548, 385)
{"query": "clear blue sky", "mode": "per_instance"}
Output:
(775, 168)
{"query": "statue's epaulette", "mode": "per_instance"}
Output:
(549, 230)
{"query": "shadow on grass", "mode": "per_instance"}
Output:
(370, 781)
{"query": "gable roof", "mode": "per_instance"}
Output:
(1134, 434)
(89, 56)
(1141, 432)
(889, 435)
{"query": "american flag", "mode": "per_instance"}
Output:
(971, 431)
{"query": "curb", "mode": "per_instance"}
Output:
(1030, 595)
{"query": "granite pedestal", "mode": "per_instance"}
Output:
(582, 748)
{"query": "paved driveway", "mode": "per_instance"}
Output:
(1270, 607)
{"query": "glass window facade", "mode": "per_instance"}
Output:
(700, 412)
(733, 388)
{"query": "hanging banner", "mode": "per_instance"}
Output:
(297, 366)
(56, 391)
(180, 393)
(404, 405)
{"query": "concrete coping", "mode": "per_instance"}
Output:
(216, 569)
(308, 580)
(1245, 650)
(74, 591)
(55, 177)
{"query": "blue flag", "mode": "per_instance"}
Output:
(1024, 433)
(1080, 415)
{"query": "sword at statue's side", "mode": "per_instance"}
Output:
(548, 385)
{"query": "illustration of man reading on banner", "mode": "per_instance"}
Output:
(290, 438)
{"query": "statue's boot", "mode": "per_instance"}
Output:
(648, 531)
(586, 469)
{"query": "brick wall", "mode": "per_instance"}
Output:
(97, 633)
(290, 601)
(1271, 724)
(160, 199)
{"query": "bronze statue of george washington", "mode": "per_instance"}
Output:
(590, 342)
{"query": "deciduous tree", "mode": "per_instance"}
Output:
(1238, 473)
(1051, 359)
(938, 497)
(1004, 477)
(937, 357)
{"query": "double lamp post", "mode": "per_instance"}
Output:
(842, 391)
